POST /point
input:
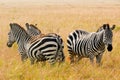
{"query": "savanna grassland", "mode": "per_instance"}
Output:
(60, 19)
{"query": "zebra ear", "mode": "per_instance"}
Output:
(27, 25)
(35, 24)
(107, 25)
(113, 27)
(104, 26)
(11, 25)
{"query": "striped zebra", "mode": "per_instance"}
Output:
(32, 30)
(84, 44)
(16, 37)
(21, 47)
(42, 49)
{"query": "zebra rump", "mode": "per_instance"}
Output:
(34, 31)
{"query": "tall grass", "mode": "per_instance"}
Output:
(62, 20)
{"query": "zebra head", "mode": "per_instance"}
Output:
(32, 30)
(11, 39)
(107, 36)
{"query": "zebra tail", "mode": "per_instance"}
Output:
(60, 54)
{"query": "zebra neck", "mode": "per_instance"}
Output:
(99, 39)
(22, 43)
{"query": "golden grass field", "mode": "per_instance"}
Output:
(60, 19)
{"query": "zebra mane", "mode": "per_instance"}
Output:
(37, 37)
(33, 26)
(15, 26)
(100, 29)
(32, 29)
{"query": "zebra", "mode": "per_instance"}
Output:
(21, 47)
(42, 49)
(15, 37)
(32, 30)
(82, 44)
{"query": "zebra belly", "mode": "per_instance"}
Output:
(81, 48)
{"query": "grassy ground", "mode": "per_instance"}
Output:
(60, 19)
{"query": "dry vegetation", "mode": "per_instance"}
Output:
(60, 19)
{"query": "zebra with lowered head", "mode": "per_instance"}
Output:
(43, 49)
(84, 44)
(32, 30)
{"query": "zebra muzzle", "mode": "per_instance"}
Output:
(109, 48)
(9, 45)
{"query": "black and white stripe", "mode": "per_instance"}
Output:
(84, 44)
(42, 49)
(34, 31)
(21, 37)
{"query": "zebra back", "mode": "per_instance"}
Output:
(73, 37)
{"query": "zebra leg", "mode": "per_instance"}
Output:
(72, 58)
(52, 61)
(92, 60)
(61, 58)
(98, 59)
(32, 61)
(42, 62)
(23, 57)
(78, 58)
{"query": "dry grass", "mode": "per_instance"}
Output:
(61, 19)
